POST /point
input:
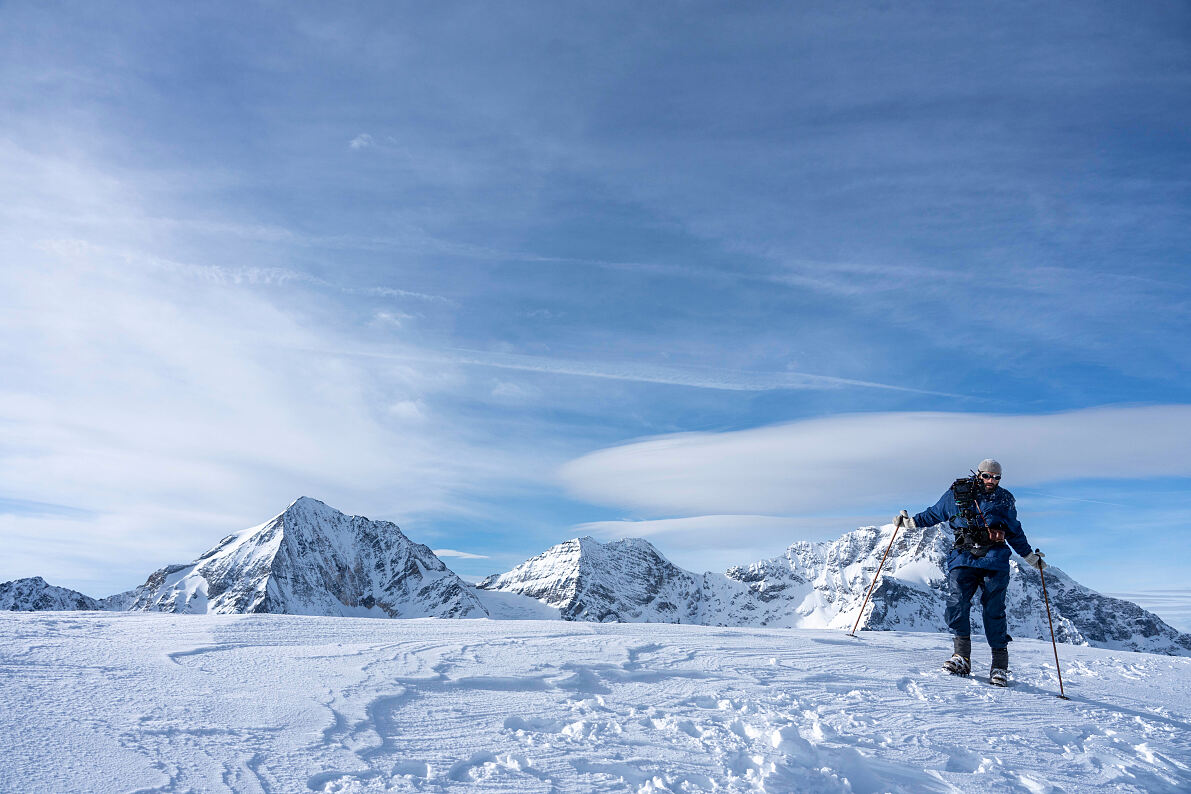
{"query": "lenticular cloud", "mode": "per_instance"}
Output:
(843, 461)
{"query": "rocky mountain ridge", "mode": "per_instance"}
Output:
(33, 594)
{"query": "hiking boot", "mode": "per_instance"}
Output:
(999, 677)
(957, 665)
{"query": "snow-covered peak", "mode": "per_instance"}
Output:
(822, 585)
(621, 581)
(306, 506)
(34, 594)
(312, 559)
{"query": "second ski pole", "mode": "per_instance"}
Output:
(902, 520)
(1050, 622)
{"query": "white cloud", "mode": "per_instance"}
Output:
(727, 531)
(514, 393)
(390, 319)
(173, 403)
(361, 141)
(411, 410)
(866, 460)
(134, 389)
(463, 555)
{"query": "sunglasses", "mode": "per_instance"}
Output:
(986, 476)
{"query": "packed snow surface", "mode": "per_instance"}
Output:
(100, 701)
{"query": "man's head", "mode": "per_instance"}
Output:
(989, 472)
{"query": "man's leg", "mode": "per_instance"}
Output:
(961, 586)
(996, 630)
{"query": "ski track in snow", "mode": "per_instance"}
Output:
(269, 703)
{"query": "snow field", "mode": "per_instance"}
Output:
(271, 703)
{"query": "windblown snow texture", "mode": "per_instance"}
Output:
(118, 702)
(313, 560)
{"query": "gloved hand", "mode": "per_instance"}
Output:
(903, 519)
(1034, 558)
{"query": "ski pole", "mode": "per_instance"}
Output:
(1052, 629)
(896, 526)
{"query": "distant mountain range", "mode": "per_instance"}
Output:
(313, 560)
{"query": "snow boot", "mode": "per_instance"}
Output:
(958, 665)
(999, 675)
(960, 662)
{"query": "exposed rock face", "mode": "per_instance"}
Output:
(626, 581)
(313, 560)
(34, 595)
(822, 585)
(118, 602)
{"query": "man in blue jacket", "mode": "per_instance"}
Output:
(983, 517)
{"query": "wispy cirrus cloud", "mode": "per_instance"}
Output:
(721, 379)
(149, 410)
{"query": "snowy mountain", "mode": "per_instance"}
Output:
(34, 595)
(313, 560)
(820, 585)
(626, 581)
(118, 602)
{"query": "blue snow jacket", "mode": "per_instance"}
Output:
(999, 507)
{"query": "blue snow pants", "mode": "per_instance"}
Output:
(962, 582)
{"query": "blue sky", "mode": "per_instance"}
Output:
(464, 266)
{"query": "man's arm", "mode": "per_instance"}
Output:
(1014, 534)
(943, 510)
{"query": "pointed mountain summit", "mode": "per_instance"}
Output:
(313, 560)
(625, 581)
